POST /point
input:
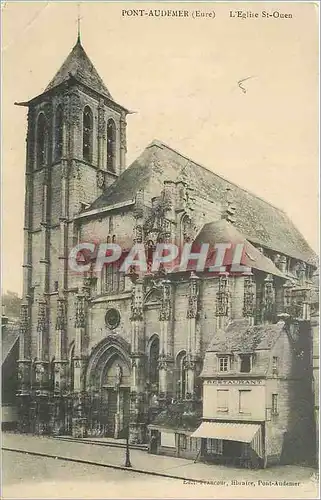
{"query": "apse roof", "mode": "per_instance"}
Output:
(238, 336)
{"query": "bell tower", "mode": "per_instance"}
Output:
(76, 148)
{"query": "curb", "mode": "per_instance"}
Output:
(99, 464)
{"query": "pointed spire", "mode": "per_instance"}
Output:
(78, 24)
(80, 67)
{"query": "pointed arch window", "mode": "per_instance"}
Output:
(111, 146)
(113, 280)
(87, 134)
(59, 132)
(153, 362)
(181, 371)
(42, 141)
(186, 229)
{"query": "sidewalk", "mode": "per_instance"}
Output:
(142, 462)
(104, 441)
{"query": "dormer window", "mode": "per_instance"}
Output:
(245, 363)
(223, 364)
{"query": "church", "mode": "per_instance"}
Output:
(122, 354)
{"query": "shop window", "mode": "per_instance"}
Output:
(183, 441)
(275, 409)
(246, 363)
(168, 439)
(222, 400)
(223, 364)
(245, 401)
(193, 444)
(215, 446)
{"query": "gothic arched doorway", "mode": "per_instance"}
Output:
(108, 384)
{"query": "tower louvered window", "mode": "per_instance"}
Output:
(42, 141)
(59, 133)
(87, 134)
(111, 146)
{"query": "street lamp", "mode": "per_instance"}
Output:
(127, 461)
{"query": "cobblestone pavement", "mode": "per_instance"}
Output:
(48, 476)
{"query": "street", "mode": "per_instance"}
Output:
(26, 475)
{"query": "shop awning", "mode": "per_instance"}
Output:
(227, 430)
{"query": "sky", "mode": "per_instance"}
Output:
(180, 76)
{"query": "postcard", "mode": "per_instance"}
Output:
(160, 273)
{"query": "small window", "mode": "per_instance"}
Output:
(245, 401)
(215, 446)
(275, 363)
(222, 400)
(275, 410)
(223, 364)
(246, 363)
(56, 286)
(111, 224)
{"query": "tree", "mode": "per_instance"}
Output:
(11, 303)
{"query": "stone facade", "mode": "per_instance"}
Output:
(106, 354)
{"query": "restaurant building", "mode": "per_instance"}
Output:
(257, 398)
